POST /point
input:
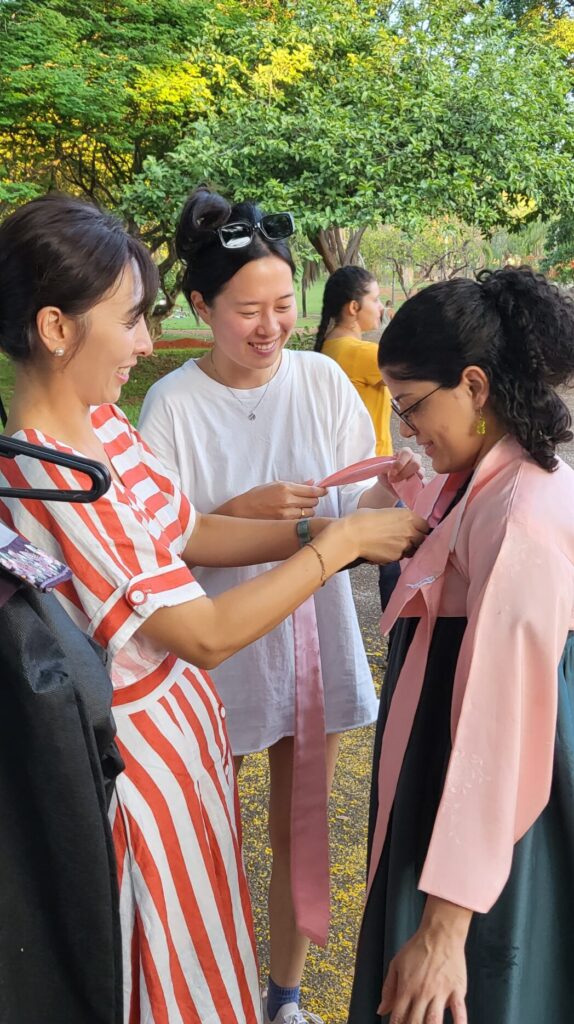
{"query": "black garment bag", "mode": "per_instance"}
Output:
(60, 943)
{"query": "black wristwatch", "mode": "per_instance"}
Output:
(303, 531)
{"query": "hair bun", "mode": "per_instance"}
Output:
(537, 322)
(203, 213)
(507, 288)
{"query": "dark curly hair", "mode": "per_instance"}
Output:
(347, 284)
(208, 265)
(515, 325)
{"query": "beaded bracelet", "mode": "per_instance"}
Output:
(320, 557)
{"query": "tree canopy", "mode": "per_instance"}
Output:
(447, 108)
(346, 112)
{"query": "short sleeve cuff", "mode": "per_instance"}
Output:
(135, 600)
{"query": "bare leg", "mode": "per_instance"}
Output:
(288, 946)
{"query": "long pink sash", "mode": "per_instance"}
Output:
(309, 801)
(310, 885)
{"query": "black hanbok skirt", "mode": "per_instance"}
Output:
(520, 955)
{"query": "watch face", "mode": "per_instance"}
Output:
(303, 531)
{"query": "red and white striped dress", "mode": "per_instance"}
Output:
(189, 953)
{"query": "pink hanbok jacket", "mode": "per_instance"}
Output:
(504, 558)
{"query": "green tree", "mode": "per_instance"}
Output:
(525, 244)
(90, 89)
(445, 109)
(560, 249)
(349, 113)
(524, 8)
(438, 250)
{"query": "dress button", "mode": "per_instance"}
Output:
(222, 712)
(137, 597)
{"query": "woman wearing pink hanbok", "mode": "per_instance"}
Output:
(470, 909)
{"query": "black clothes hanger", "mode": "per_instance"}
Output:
(98, 473)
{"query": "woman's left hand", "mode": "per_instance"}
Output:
(406, 464)
(428, 976)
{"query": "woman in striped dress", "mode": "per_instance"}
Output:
(73, 291)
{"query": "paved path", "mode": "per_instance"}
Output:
(329, 973)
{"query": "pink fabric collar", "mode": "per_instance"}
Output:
(423, 578)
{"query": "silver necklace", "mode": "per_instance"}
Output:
(251, 415)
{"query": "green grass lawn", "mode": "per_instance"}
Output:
(6, 379)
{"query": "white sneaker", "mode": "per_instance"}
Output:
(290, 1013)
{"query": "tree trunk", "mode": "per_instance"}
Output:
(320, 242)
(353, 245)
(332, 250)
(338, 245)
(170, 293)
(405, 276)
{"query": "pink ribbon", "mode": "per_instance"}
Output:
(309, 801)
(446, 497)
(399, 723)
(310, 886)
(423, 575)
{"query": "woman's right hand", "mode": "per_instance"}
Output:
(278, 500)
(385, 535)
(205, 631)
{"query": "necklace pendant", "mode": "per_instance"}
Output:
(251, 416)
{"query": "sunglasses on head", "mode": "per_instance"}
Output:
(273, 226)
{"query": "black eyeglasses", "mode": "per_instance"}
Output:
(404, 416)
(273, 227)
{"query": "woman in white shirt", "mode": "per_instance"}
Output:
(247, 428)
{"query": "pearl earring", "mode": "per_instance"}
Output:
(59, 351)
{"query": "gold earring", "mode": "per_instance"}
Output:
(59, 352)
(481, 424)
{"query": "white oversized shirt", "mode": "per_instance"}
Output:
(310, 423)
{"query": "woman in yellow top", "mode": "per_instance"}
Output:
(351, 307)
